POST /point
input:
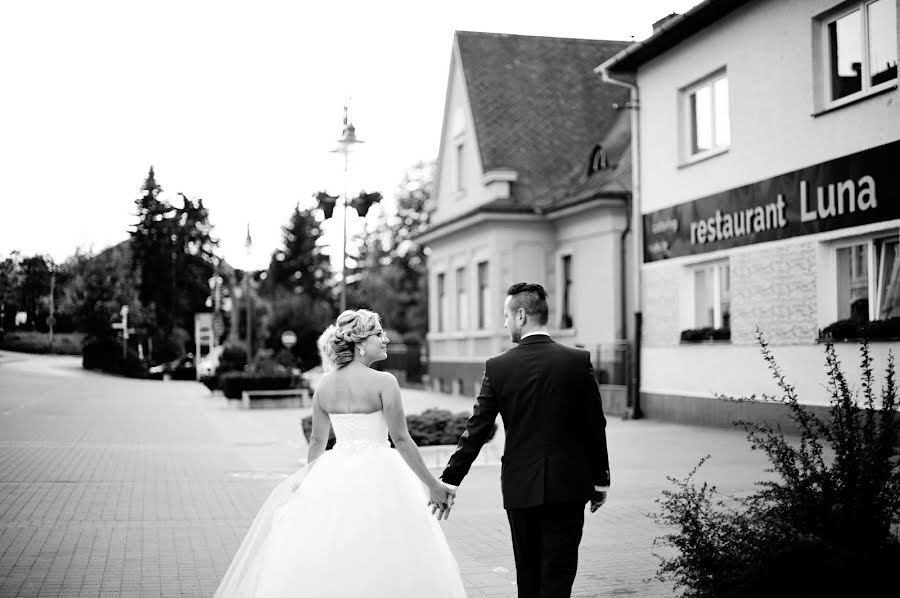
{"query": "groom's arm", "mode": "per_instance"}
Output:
(478, 429)
(595, 429)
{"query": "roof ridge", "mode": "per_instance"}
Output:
(547, 37)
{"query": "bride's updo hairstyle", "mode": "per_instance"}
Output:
(338, 342)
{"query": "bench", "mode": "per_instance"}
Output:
(291, 397)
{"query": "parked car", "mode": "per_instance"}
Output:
(178, 369)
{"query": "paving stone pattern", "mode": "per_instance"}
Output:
(113, 487)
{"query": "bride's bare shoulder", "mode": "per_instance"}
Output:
(385, 380)
(326, 383)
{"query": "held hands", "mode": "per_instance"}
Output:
(597, 500)
(441, 497)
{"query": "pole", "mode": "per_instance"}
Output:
(249, 316)
(124, 313)
(344, 239)
(52, 305)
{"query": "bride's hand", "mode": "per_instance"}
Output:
(441, 499)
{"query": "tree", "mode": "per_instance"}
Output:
(301, 266)
(298, 289)
(25, 287)
(98, 288)
(9, 289)
(390, 276)
(172, 257)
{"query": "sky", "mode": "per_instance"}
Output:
(237, 103)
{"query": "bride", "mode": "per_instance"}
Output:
(355, 522)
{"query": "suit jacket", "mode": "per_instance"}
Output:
(555, 447)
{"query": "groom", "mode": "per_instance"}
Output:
(555, 457)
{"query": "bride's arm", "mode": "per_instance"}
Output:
(321, 426)
(406, 446)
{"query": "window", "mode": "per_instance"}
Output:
(712, 296)
(566, 311)
(461, 305)
(482, 294)
(460, 170)
(859, 279)
(441, 302)
(708, 124)
(861, 49)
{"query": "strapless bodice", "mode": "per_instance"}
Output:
(357, 431)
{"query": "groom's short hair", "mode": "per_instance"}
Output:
(532, 298)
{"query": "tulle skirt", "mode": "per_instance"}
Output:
(352, 524)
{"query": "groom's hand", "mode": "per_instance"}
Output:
(441, 501)
(597, 499)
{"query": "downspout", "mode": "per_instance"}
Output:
(634, 226)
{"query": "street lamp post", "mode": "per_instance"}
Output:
(345, 144)
(248, 245)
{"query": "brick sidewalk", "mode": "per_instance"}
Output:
(114, 487)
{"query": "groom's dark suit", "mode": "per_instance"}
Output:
(555, 453)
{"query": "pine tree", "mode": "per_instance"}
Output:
(172, 255)
(301, 266)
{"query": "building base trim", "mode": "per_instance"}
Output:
(695, 410)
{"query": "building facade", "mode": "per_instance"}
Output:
(770, 200)
(532, 184)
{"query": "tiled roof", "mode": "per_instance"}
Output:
(613, 181)
(538, 106)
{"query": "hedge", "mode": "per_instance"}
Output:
(66, 343)
(696, 335)
(853, 330)
(233, 384)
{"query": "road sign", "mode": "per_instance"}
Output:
(51, 321)
(288, 338)
(121, 326)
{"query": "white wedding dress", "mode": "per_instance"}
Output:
(353, 524)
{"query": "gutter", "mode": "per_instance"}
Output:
(634, 226)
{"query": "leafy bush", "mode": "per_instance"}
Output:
(233, 384)
(105, 354)
(233, 358)
(696, 335)
(854, 330)
(432, 427)
(823, 528)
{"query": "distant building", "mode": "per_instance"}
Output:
(532, 184)
(770, 143)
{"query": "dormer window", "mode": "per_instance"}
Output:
(598, 160)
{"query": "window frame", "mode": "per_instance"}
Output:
(566, 283)
(713, 266)
(482, 272)
(688, 156)
(872, 264)
(459, 149)
(440, 287)
(823, 69)
(462, 315)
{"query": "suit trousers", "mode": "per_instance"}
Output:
(545, 542)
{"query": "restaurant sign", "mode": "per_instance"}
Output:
(861, 188)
